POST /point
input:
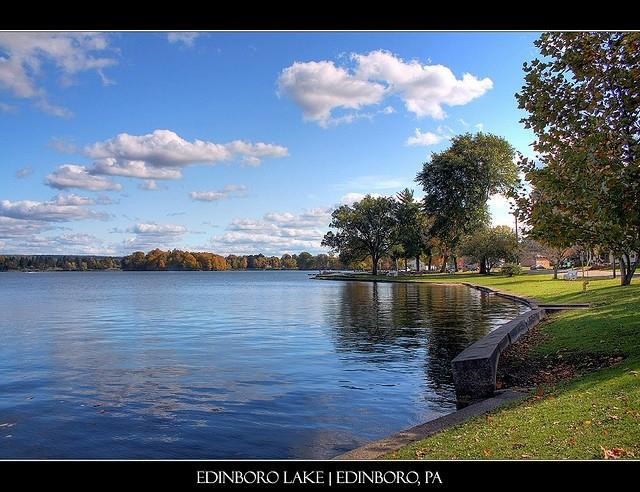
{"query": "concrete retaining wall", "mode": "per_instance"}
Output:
(475, 368)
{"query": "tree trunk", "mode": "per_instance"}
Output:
(405, 264)
(443, 269)
(429, 263)
(483, 267)
(614, 267)
(417, 263)
(556, 267)
(455, 263)
(626, 270)
(374, 266)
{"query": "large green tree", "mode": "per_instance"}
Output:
(364, 229)
(490, 245)
(583, 100)
(412, 228)
(459, 181)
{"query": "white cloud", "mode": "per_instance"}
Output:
(67, 200)
(479, 126)
(78, 244)
(228, 191)
(69, 244)
(151, 235)
(133, 169)
(185, 38)
(162, 153)
(276, 233)
(24, 172)
(74, 176)
(25, 55)
(425, 139)
(151, 229)
(61, 208)
(11, 228)
(253, 152)
(149, 185)
(321, 87)
(353, 197)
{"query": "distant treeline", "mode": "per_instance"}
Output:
(188, 260)
(158, 260)
(58, 262)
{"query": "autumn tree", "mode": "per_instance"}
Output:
(583, 102)
(459, 181)
(364, 229)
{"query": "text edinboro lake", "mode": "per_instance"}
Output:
(318, 477)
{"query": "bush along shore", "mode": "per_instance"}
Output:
(582, 370)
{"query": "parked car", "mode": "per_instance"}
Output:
(537, 267)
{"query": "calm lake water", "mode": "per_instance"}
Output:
(224, 364)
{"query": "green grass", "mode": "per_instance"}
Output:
(575, 419)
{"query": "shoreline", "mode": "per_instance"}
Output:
(484, 358)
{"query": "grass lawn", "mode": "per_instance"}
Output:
(589, 417)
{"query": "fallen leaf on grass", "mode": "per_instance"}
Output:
(487, 452)
(572, 441)
(525, 456)
(587, 422)
(615, 453)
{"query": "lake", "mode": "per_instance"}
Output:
(264, 364)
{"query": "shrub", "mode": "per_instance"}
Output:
(511, 269)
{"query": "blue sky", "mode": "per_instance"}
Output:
(232, 142)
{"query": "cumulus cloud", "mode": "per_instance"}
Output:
(184, 38)
(24, 56)
(148, 236)
(229, 191)
(133, 169)
(425, 138)
(11, 228)
(61, 208)
(275, 233)
(319, 88)
(353, 197)
(163, 153)
(75, 176)
(71, 200)
(70, 243)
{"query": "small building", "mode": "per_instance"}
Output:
(535, 260)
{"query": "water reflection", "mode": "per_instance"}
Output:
(224, 364)
(441, 320)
